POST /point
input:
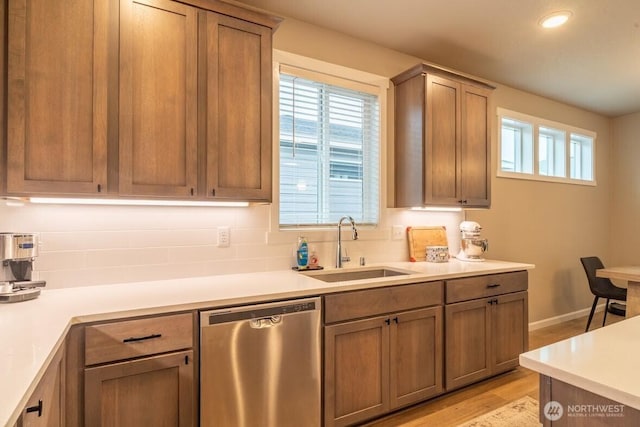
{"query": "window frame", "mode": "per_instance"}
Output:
(335, 75)
(569, 133)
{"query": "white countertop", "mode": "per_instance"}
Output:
(603, 361)
(32, 331)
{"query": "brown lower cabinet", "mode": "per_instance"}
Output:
(484, 337)
(45, 407)
(378, 364)
(390, 347)
(154, 391)
(132, 372)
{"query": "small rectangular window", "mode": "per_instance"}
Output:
(534, 148)
(551, 157)
(581, 157)
(517, 146)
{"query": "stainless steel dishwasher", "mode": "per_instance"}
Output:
(260, 365)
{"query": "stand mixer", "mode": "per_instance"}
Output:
(471, 245)
(17, 253)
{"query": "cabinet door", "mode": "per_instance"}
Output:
(158, 98)
(415, 356)
(356, 371)
(57, 96)
(467, 338)
(409, 142)
(45, 406)
(155, 391)
(442, 165)
(238, 109)
(510, 330)
(475, 159)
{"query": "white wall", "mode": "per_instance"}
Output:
(625, 226)
(551, 225)
(90, 245)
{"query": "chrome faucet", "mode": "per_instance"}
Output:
(339, 258)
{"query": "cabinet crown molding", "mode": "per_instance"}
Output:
(440, 71)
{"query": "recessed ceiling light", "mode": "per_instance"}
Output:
(555, 19)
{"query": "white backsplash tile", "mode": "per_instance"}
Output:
(187, 254)
(94, 245)
(64, 260)
(127, 257)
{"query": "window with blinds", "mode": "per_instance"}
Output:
(329, 152)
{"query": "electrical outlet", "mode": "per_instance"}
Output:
(397, 232)
(224, 237)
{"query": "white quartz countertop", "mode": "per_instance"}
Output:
(603, 361)
(32, 331)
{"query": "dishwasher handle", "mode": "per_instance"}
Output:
(262, 315)
(266, 322)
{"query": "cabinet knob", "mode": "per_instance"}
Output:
(213, 192)
(37, 408)
(395, 319)
(387, 321)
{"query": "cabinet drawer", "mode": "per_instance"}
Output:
(470, 288)
(371, 302)
(135, 338)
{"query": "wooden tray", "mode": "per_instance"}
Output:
(421, 237)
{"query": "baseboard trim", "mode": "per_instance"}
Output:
(562, 318)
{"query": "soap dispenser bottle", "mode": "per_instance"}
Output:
(302, 254)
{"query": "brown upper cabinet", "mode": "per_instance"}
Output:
(57, 97)
(238, 102)
(442, 139)
(158, 98)
(139, 98)
(195, 103)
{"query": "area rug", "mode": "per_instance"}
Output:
(522, 413)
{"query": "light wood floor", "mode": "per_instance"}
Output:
(467, 403)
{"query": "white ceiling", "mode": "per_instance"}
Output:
(593, 62)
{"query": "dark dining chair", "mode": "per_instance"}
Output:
(601, 287)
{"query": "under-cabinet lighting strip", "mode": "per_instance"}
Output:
(435, 209)
(132, 202)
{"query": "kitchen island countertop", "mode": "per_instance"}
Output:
(32, 331)
(602, 361)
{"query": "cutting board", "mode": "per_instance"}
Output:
(421, 237)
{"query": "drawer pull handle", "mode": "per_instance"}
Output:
(136, 339)
(37, 408)
(493, 285)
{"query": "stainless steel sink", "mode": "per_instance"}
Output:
(346, 275)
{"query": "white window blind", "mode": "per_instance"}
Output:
(329, 151)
